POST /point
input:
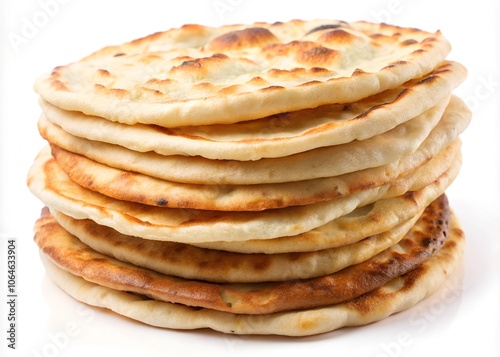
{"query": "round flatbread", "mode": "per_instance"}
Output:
(199, 75)
(397, 295)
(364, 221)
(280, 135)
(423, 240)
(135, 187)
(191, 262)
(51, 185)
(336, 160)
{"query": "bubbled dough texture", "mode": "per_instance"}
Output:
(199, 75)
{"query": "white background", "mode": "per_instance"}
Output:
(463, 318)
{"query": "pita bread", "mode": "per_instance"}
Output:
(191, 262)
(136, 187)
(323, 162)
(397, 295)
(53, 187)
(424, 239)
(364, 221)
(198, 75)
(280, 135)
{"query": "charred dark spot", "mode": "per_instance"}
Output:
(261, 264)
(191, 64)
(426, 242)
(367, 112)
(444, 70)
(178, 248)
(326, 27)
(318, 70)
(402, 93)
(411, 195)
(250, 37)
(119, 54)
(196, 308)
(394, 64)
(161, 202)
(426, 80)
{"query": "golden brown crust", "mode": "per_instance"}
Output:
(302, 64)
(192, 262)
(423, 241)
(135, 187)
(279, 135)
(397, 295)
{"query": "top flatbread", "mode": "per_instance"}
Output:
(198, 75)
(278, 135)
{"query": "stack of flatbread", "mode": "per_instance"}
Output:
(284, 178)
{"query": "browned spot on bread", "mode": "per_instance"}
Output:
(378, 36)
(367, 112)
(285, 49)
(427, 80)
(229, 90)
(149, 58)
(402, 94)
(347, 284)
(183, 58)
(408, 42)
(394, 64)
(204, 86)
(305, 52)
(318, 56)
(337, 37)
(310, 83)
(271, 88)
(247, 38)
(257, 81)
(358, 72)
(199, 67)
(103, 72)
(58, 85)
(118, 92)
